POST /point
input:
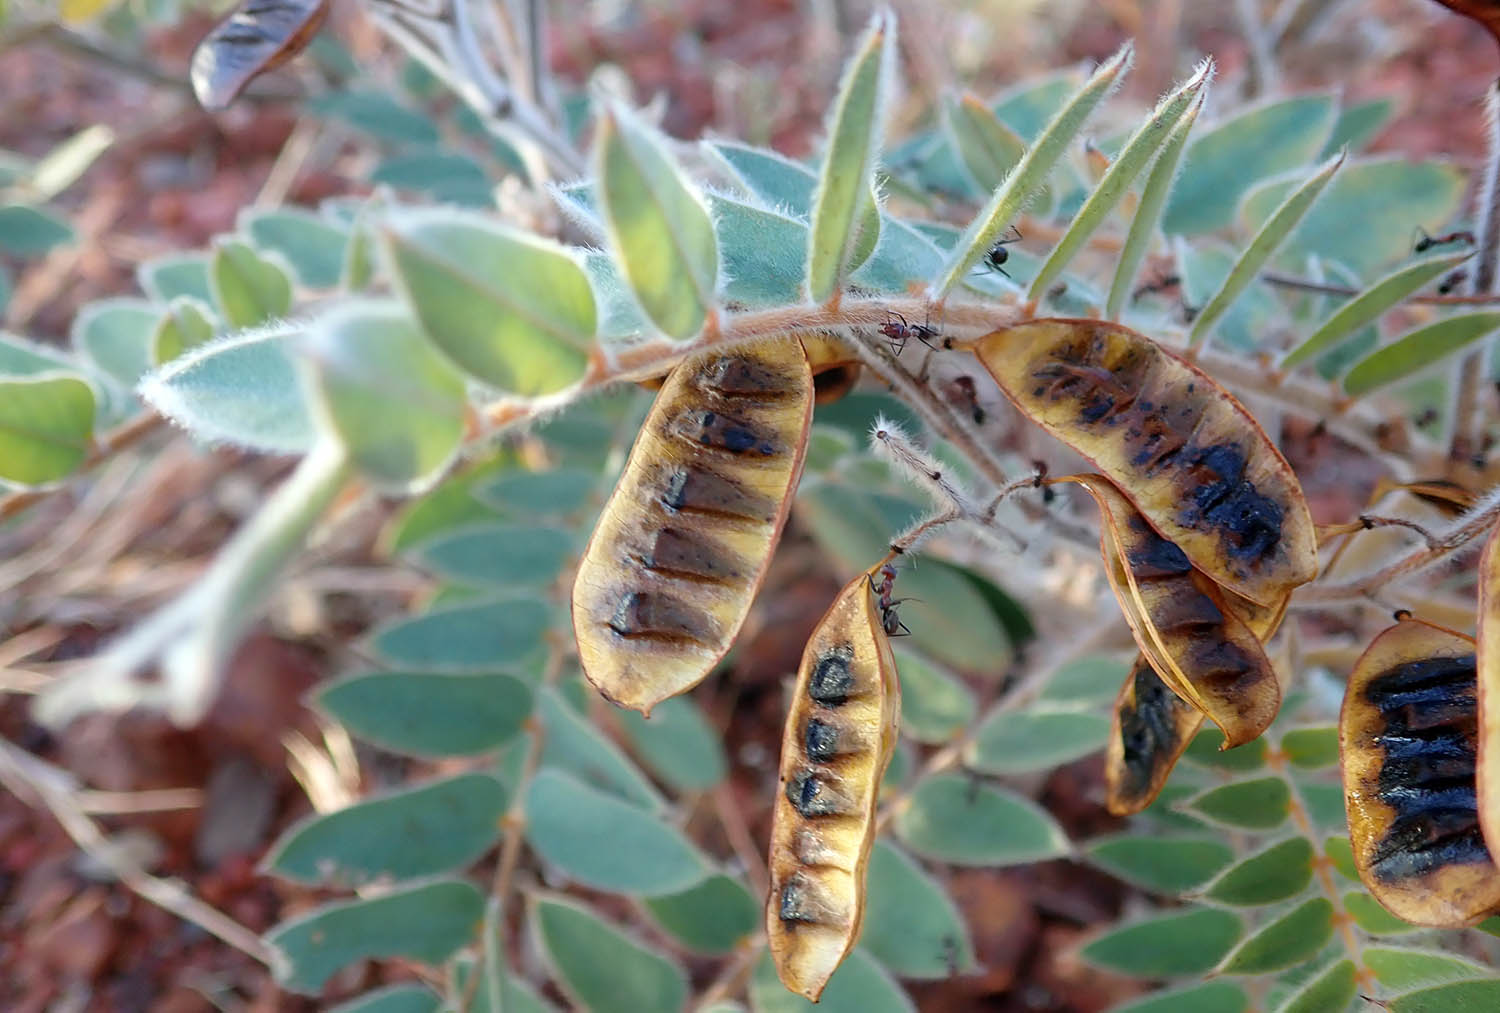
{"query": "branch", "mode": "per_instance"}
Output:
(1307, 285)
(1438, 546)
(1468, 421)
(125, 435)
(25, 775)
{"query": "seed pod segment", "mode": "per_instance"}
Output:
(839, 736)
(1487, 691)
(1151, 727)
(1191, 630)
(1407, 735)
(683, 544)
(1189, 455)
(835, 366)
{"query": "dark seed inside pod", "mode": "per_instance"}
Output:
(821, 740)
(1429, 748)
(811, 794)
(796, 905)
(1149, 729)
(832, 681)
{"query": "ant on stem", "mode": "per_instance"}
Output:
(889, 621)
(998, 255)
(900, 333)
(1426, 242)
(1452, 282)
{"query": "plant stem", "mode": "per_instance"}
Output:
(1439, 545)
(1468, 422)
(1324, 288)
(1321, 871)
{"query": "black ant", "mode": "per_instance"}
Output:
(889, 622)
(1040, 482)
(968, 394)
(1161, 284)
(998, 255)
(1427, 242)
(901, 333)
(1452, 282)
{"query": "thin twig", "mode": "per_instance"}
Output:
(1459, 535)
(27, 776)
(731, 978)
(125, 435)
(1325, 288)
(514, 820)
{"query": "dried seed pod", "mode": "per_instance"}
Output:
(1487, 692)
(684, 542)
(1189, 456)
(1192, 631)
(1408, 738)
(835, 367)
(1151, 727)
(259, 36)
(839, 737)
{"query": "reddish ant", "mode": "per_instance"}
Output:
(1427, 242)
(1452, 282)
(1161, 284)
(901, 333)
(997, 256)
(968, 394)
(889, 622)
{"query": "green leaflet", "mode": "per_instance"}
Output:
(601, 968)
(46, 427)
(659, 228)
(1271, 235)
(1417, 350)
(1370, 304)
(1232, 156)
(1143, 226)
(1147, 140)
(839, 238)
(1029, 175)
(511, 309)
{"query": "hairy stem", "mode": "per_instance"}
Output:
(1468, 422)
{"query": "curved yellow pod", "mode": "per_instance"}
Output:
(838, 740)
(1151, 727)
(1185, 452)
(835, 367)
(684, 542)
(1487, 692)
(1192, 632)
(1408, 736)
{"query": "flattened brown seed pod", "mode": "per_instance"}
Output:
(1151, 727)
(1487, 693)
(1192, 632)
(1407, 737)
(839, 735)
(1189, 455)
(682, 545)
